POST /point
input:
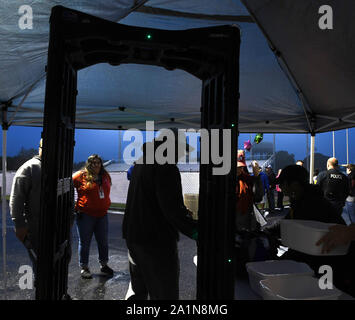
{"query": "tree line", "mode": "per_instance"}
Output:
(282, 159)
(15, 162)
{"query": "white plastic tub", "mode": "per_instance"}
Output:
(262, 270)
(302, 235)
(296, 288)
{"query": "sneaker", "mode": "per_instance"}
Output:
(106, 270)
(85, 273)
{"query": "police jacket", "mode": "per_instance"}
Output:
(334, 184)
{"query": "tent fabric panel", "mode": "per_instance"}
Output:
(24, 51)
(321, 61)
(214, 7)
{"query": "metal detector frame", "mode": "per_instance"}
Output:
(78, 40)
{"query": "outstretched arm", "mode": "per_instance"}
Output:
(338, 235)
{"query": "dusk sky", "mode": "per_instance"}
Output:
(105, 143)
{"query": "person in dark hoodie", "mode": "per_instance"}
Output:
(308, 203)
(154, 215)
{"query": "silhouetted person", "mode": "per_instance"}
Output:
(154, 215)
(308, 203)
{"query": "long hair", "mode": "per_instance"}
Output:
(88, 169)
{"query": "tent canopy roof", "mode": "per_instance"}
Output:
(294, 76)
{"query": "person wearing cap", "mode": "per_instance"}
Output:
(307, 200)
(249, 191)
(349, 209)
(155, 214)
(308, 203)
(334, 184)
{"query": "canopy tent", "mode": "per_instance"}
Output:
(317, 62)
(294, 77)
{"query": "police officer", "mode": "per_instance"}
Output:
(334, 185)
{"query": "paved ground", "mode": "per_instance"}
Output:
(98, 288)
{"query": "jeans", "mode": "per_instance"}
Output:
(86, 227)
(349, 212)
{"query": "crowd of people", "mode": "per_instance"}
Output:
(155, 214)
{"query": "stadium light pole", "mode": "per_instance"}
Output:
(311, 165)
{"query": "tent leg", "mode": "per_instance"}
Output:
(347, 146)
(4, 205)
(311, 165)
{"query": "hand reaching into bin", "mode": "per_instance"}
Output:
(338, 235)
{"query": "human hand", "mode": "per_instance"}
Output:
(338, 235)
(21, 233)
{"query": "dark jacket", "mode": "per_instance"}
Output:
(314, 206)
(311, 206)
(155, 210)
(272, 179)
(334, 184)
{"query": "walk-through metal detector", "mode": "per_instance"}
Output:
(78, 40)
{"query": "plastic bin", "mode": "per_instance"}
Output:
(296, 288)
(262, 270)
(191, 203)
(302, 235)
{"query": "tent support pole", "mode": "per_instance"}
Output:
(311, 165)
(3, 196)
(347, 146)
(274, 152)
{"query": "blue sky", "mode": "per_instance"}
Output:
(105, 143)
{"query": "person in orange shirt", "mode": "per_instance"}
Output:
(93, 184)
